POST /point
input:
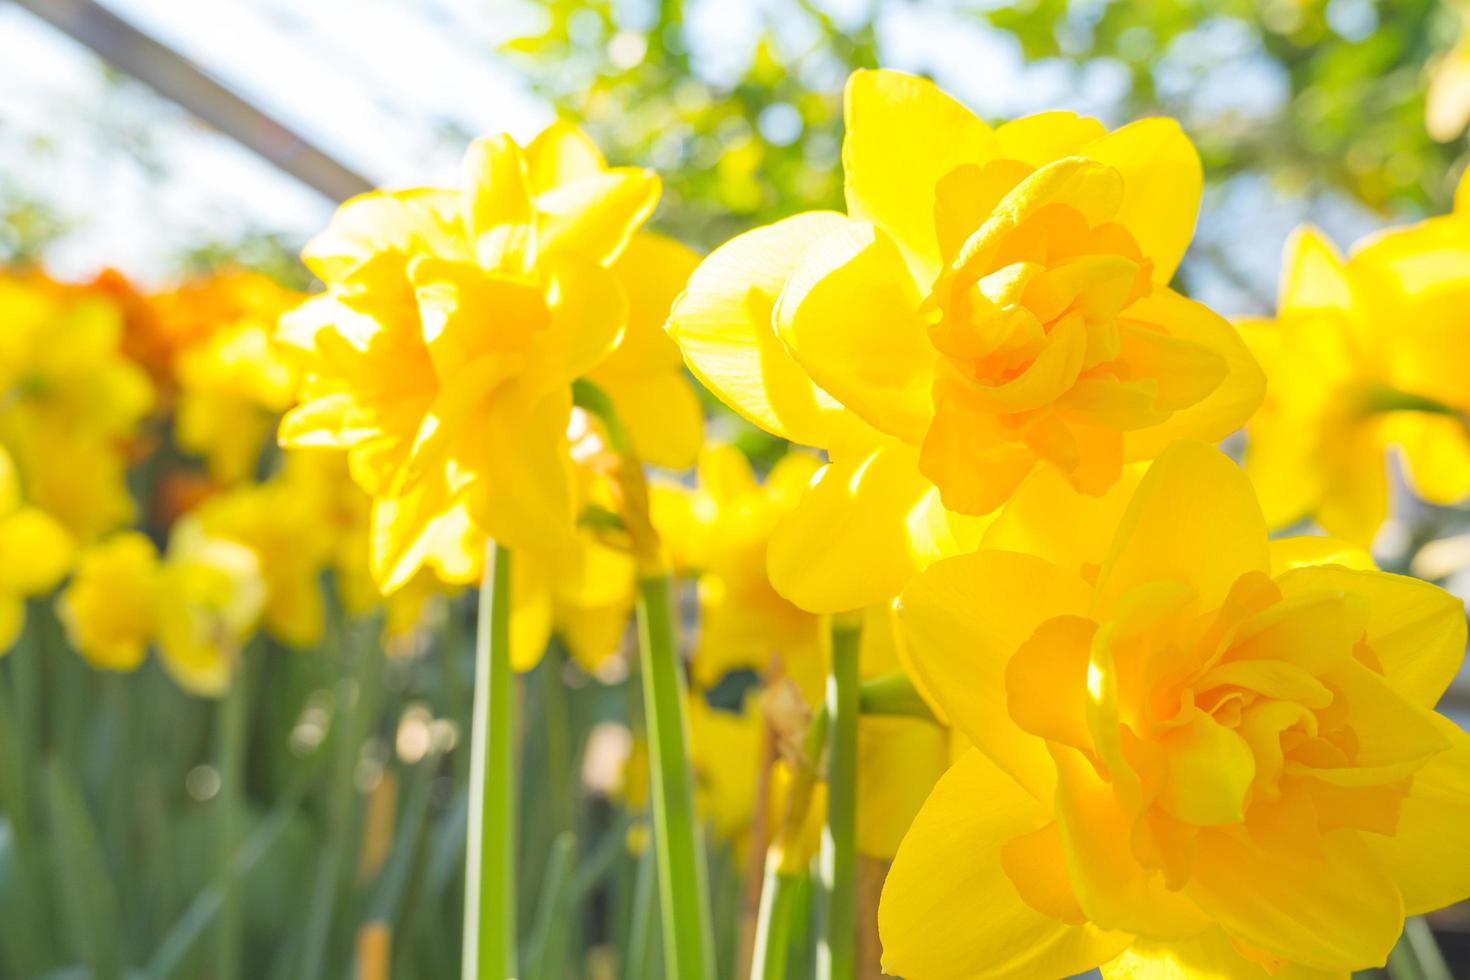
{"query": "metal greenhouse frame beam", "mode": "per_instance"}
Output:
(180, 80)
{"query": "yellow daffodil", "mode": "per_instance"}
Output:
(69, 403)
(582, 593)
(286, 531)
(37, 553)
(197, 605)
(235, 383)
(211, 596)
(993, 300)
(442, 353)
(1364, 354)
(110, 607)
(720, 530)
(726, 747)
(1196, 752)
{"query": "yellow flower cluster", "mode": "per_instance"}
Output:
(1187, 750)
(1161, 743)
(453, 325)
(1365, 354)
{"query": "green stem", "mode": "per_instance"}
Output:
(640, 924)
(773, 926)
(893, 694)
(230, 757)
(1417, 955)
(687, 930)
(839, 837)
(489, 906)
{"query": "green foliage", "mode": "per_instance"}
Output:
(733, 152)
(1353, 74)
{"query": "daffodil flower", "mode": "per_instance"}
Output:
(235, 383)
(109, 609)
(292, 543)
(69, 402)
(1364, 354)
(1196, 752)
(441, 355)
(993, 300)
(37, 552)
(197, 605)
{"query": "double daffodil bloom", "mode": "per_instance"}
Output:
(1197, 752)
(1363, 355)
(197, 605)
(993, 300)
(442, 353)
(37, 553)
(70, 402)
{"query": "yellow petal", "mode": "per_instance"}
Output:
(1046, 681)
(405, 222)
(1312, 274)
(498, 210)
(38, 552)
(963, 619)
(1334, 910)
(1303, 550)
(1208, 773)
(594, 216)
(900, 760)
(468, 314)
(1438, 454)
(849, 314)
(645, 376)
(1194, 519)
(589, 310)
(723, 325)
(1228, 404)
(1395, 736)
(560, 154)
(858, 534)
(1415, 630)
(1049, 518)
(1162, 180)
(405, 530)
(1425, 853)
(1354, 503)
(1114, 890)
(1036, 863)
(531, 504)
(1208, 956)
(530, 607)
(947, 880)
(663, 416)
(10, 495)
(1046, 136)
(902, 135)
